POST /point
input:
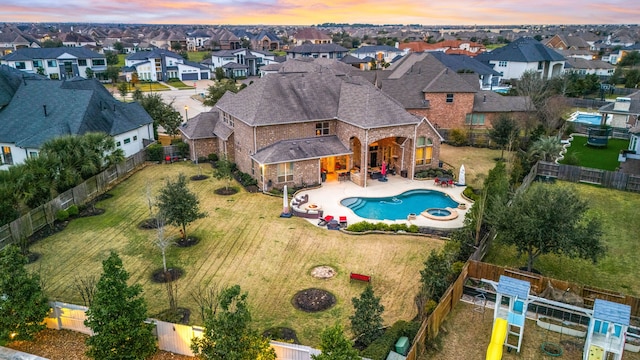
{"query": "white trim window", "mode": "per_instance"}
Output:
(285, 172)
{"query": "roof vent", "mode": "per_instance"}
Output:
(484, 98)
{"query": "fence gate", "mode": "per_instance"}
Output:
(175, 338)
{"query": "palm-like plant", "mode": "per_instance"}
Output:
(547, 148)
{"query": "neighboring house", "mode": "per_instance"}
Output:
(487, 77)
(329, 51)
(162, 65)
(580, 54)
(380, 53)
(12, 39)
(34, 110)
(241, 62)
(57, 63)
(524, 54)
(223, 39)
(198, 40)
(265, 41)
(281, 132)
(588, 67)
(625, 112)
(310, 36)
(74, 39)
(426, 87)
(362, 64)
(460, 47)
(564, 42)
(615, 57)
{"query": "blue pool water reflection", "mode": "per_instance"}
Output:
(399, 206)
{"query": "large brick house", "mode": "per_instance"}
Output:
(307, 124)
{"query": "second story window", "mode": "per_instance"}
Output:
(98, 62)
(21, 65)
(322, 128)
(51, 63)
(502, 63)
(82, 62)
(449, 98)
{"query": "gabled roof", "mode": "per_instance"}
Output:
(317, 48)
(10, 80)
(311, 34)
(350, 99)
(72, 108)
(301, 149)
(613, 312)
(350, 59)
(262, 34)
(195, 65)
(486, 101)
(579, 63)
(200, 126)
(463, 62)
(525, 49)
(51, 53)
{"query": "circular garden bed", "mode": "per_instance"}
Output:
(280, 333)
(161, 276)
(313, 300)
(323, 272)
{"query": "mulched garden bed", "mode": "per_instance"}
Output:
(313, 300)
(48, 231)
(148, 224)
(281, 334)
(226, 191)
(172, 274)
(189, 241)
(199, 177)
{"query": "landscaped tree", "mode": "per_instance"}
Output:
(23, 305)
(224, 170)
(550, 219)
(215, 92)
(163, 114)
(123, 89)
(335, 346)
(504, 132)
(112, 58)
(228, 334)
(366, 323)
(112, 73)
(547, 148)
(435, 275)
(117, 317)
(178, 205)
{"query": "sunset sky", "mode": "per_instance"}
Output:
(309, 12)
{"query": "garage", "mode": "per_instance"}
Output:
(189, 76)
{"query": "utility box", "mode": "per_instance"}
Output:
(402, 345)
(404, 173)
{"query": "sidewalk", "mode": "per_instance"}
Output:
(10, 354)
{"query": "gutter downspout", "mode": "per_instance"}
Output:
(413, 152)
(366, 156)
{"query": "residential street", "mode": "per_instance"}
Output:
(181, 98)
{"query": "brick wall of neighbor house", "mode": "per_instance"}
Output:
(447, 115)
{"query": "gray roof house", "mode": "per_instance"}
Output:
(35, 110)
(241, 62)
(162, 65)
(329, 51)
(57, 63)
(379, 52)
(524, 54)
(315, 122)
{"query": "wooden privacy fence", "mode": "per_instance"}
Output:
(175, 338)
(609, 179)
(37, 218)
(481, 270)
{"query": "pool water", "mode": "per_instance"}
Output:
(586, 118)
(400, 206)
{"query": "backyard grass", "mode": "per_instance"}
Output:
(618, 269)
(243, 241)
(477, 161)
(197, 56)
(593, 157)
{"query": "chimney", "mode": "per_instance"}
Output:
(45, 110)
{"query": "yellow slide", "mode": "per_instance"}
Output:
(499, 333)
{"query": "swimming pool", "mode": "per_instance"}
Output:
(586, 118)
(400, 206)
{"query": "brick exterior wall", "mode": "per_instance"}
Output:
(446, 115)
(199, 148)
(307, 172)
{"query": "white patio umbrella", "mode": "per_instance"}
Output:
(461, 179)
(285, 201)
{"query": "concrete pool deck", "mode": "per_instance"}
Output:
(329, 195)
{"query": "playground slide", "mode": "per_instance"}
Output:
(499, 333)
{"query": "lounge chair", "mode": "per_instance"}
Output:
(333, 225)
(324, 221)
(343, 221)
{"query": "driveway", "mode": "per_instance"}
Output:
(182, 98)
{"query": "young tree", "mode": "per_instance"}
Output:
(163, 114)
(219, 73)
(435, 275)
(162, 242)
(224, 170)
(179, 206)
(335, 346)
(547, 148)
(228, 335)
(112, 58)
(366, 323)
(89, 73)
(550, 219)
(215, 92)
(123, 89)
(117, 317)
(112, 73)
(503, 132)
(23, 305)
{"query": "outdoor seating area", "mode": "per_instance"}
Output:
(444, 181)
(301, 207)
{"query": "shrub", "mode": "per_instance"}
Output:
(430, 306)
(212, 157)
(458, 137)
(571, 158)
(73, 210)
(379, 349)
(62, 215)
(155, 152)
(433, 173)
(471, 193)
(183, 147)
(367, 226)
(245, 179)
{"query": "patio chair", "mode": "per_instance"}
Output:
(450, 182)
(436, 181)
(333, 225)
(343, 221)
(325, 220)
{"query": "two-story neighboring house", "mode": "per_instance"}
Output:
(74, 39)
(524, 54)
(564, 42)
(327, 122)
(57, 63)
(12, 39)
(241, 62)
(311, 36)
(328, 51)
(265, 41)
(198, 40)
(382, 54)
(588, 67)
(162, 65)
(34, 110)
(459, 47)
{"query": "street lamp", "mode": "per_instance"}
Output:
(186, 113)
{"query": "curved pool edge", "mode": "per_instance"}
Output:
(454, 214)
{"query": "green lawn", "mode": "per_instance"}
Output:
(242, 241)
(594, 157)
(121, 58)
(619, 268)
(179, 85)
(197, 56)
